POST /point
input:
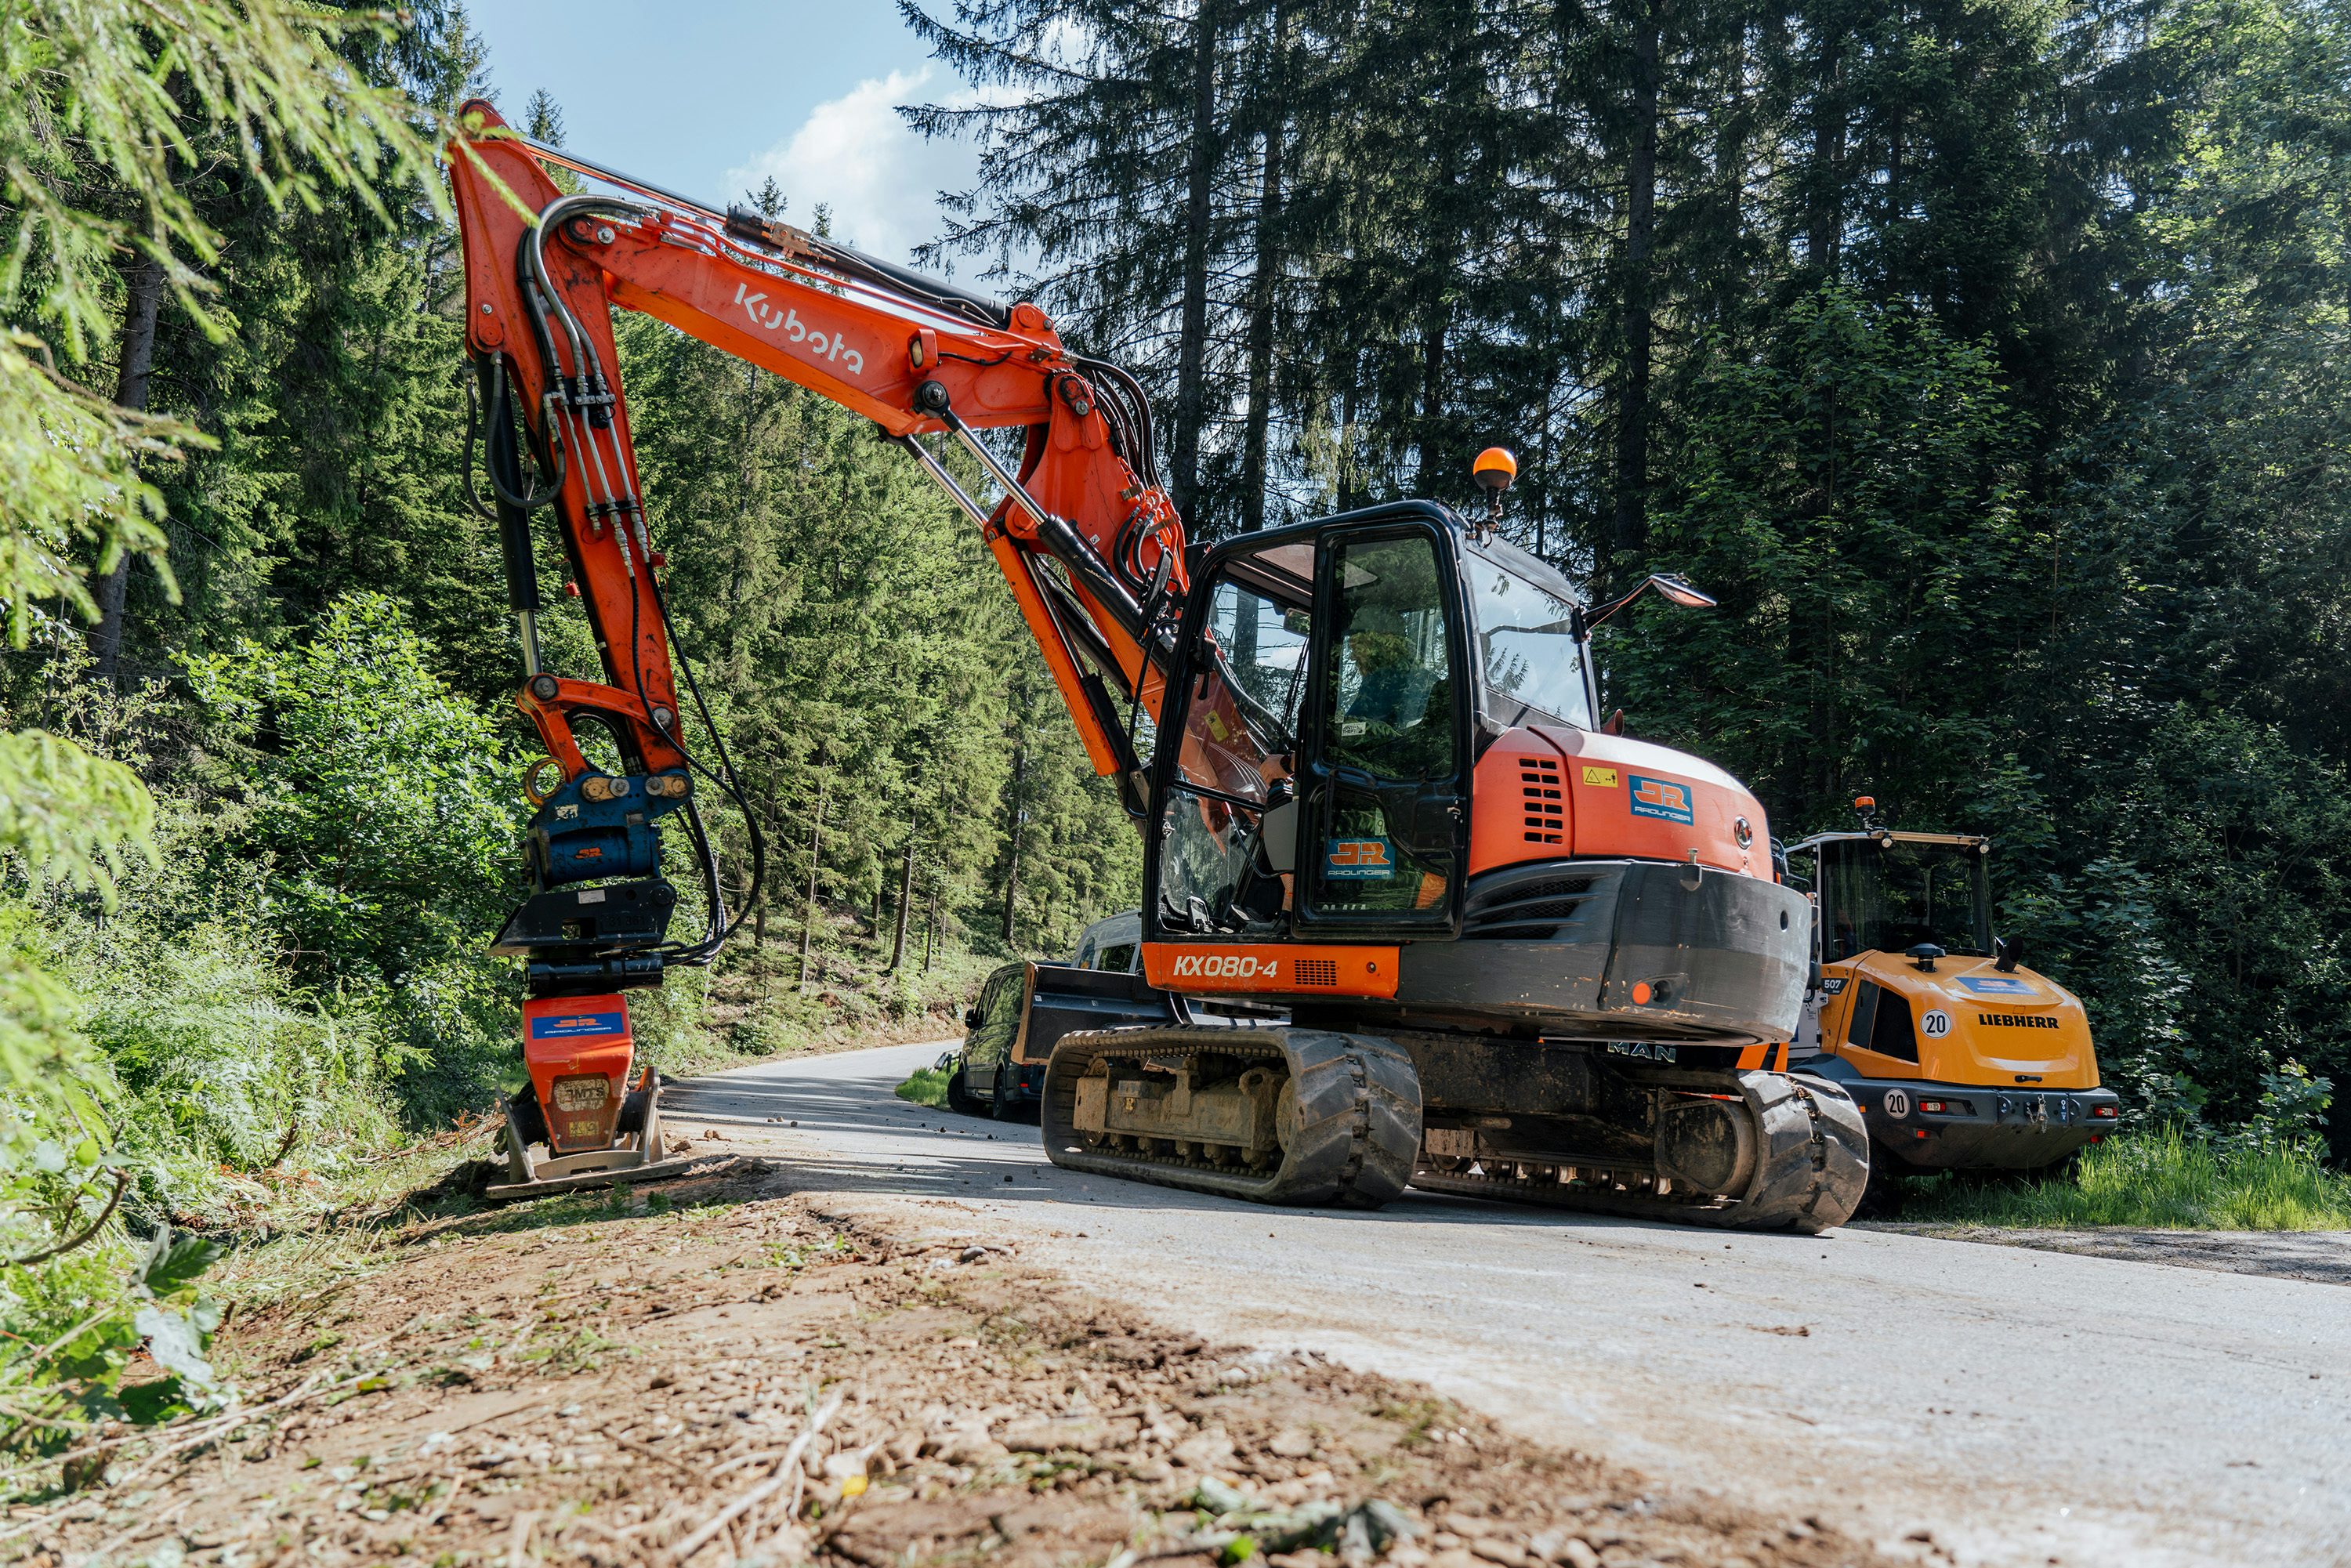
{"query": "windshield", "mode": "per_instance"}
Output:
(1527, 647)
(1889, 897)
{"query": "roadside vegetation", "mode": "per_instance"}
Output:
(927, 1086)
(258, 763)
(2161, 1178)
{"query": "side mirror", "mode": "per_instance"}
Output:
(2007, 953)
(971, 1018)
(1678, 589)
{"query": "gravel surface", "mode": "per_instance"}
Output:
(2016, 1405)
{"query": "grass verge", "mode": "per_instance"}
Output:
(2162, 1178)
(928, 1086)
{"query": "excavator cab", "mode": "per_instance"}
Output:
(1959, 1057)
(1314, 779)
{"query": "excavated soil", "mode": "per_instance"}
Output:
(632, 1379)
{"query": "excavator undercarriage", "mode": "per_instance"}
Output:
(1292, 1116)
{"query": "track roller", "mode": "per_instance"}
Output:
(1749, 1150)
(1273, 1115)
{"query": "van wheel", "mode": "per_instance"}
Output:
(1007, 1107)
(959, 1099)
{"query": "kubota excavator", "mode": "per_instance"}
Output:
(1409, 914)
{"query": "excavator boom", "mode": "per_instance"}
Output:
(916, 358)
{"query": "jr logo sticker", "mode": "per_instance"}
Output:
(566, 1026)
(788, 323)
(1662, 798)
(1358, 860)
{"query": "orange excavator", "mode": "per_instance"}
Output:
(1410, 915)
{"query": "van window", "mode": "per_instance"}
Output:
(1117, 960)
(999, 1018)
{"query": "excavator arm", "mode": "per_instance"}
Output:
(915, 356)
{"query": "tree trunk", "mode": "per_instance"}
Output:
(1012, 837)
(1823, 217)
(816, 859)
(759, 903)
(1432, 391)
(1264, 288)
(931, 931)
(1629, 532)
(1352, 490)
(905, 903)
(1191, 359)
(139, 309)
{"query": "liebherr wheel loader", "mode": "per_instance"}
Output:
(1516, 954)
(1961, 1058)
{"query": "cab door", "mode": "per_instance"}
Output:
(1384, 780)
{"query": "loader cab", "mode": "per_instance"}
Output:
(1884, 891)
(1311, 782)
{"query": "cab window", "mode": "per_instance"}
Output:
(1529, 658)
(1888, 898)
(999, 1018)
(1389, 738)
(1238, 740)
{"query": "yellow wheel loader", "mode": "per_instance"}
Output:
(1961, 1058)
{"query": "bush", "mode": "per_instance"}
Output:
(370, 815)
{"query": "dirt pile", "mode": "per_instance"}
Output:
(711, 1374)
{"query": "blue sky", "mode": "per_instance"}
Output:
(708, 96)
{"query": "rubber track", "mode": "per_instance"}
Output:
(1358, 1103)
(1810, 1173)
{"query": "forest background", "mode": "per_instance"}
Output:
(1986, 357)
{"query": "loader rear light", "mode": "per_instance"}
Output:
(2106, 1113)
(582, 1092)
(1946, 1107)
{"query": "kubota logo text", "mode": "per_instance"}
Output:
(788, 322)
(1226, 967)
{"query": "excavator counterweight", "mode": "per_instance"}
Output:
(1493, 945)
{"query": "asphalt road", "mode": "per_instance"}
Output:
(2021, 1406)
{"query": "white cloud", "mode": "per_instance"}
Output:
(858, 155)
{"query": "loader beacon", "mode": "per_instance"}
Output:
(1959, 1057)
(1493, 947)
